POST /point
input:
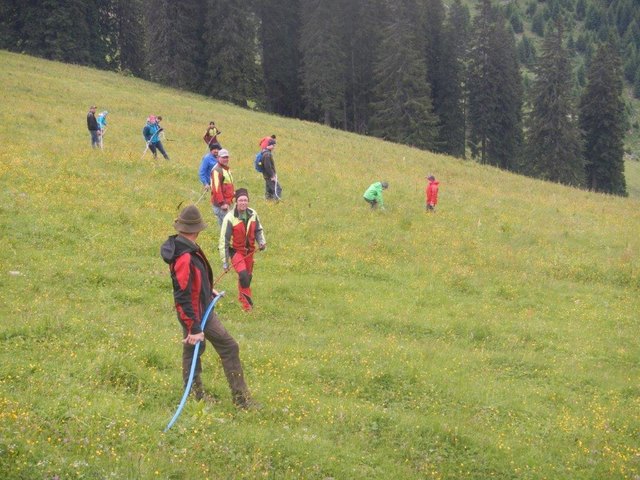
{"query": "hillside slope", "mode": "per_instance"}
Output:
(495, 339)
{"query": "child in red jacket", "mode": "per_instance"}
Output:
(432, 193)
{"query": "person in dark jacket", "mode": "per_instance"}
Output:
(272, 188)
(192, 291)
(92, 126)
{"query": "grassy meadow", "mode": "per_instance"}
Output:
(497, 338)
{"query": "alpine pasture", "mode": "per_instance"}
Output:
(497, 338)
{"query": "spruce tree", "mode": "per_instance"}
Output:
(553, 147)
(174, 47)
(361, 37)
(281, 61)
(229, 51)
(452, 126)
(324, 60)
(403, 110)
(602, 123)
(129, 30)
(495, 91)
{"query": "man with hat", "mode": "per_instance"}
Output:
(222, 189)
(432, 193)
(240, 230)
(209, 161)
(192, 291)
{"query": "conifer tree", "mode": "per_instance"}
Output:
(281, 61)
(129, 36)
(554, 148)
(495, 91)
(229, 51)
(174, 47)
(403, 111)
(452, 126)
(324, 60)
(361, 37)
(602, 123)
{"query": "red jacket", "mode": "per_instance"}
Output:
(222, 189)
(192, 279)
(432, 192)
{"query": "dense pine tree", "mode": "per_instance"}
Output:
(452, 126)
(602, 122)
(324, 60)
(281, 62)
(174, 45)
(128, 16)
(229, 51)
(403, 111)
(361, 37)
(554, 148)
(495, 91)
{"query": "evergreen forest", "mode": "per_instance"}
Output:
(536, 87)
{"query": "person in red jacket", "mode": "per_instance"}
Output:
(240, 231)
(192, 280)
(432, 193)
(222, 189)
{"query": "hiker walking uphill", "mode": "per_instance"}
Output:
(209, 161)
(241, 229)
(211, 134)
(192, 279)
(431, 192)
(151, 133)
(93, 127)
(373, 195)
(272, 188)
(222, 189)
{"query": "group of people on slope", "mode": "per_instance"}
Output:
(373, 194)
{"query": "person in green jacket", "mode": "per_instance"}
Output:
(373, 195)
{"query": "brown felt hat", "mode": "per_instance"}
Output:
(190, 220)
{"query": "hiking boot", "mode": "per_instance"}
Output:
(245, 402)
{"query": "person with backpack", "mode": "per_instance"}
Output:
(151, 133)
(272, 188)
(432, 193)
(93, 127)
(373, 194)
(211, 134)
(222, 189)
(240, 230)
(209, 161)
(192, 280)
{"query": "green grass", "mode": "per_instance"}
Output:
(495, 339)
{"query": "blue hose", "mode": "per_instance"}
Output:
(193, 362)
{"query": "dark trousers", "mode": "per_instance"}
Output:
(95, 138)
(158, 146)
(229, 352)
(272, 189)
(373, 203)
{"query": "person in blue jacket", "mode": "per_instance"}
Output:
(102, 125)
(151, 133)
(208, 162)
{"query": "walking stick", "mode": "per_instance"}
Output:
(193, 362)
(233, 264)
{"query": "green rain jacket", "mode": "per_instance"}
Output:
(374, 192)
